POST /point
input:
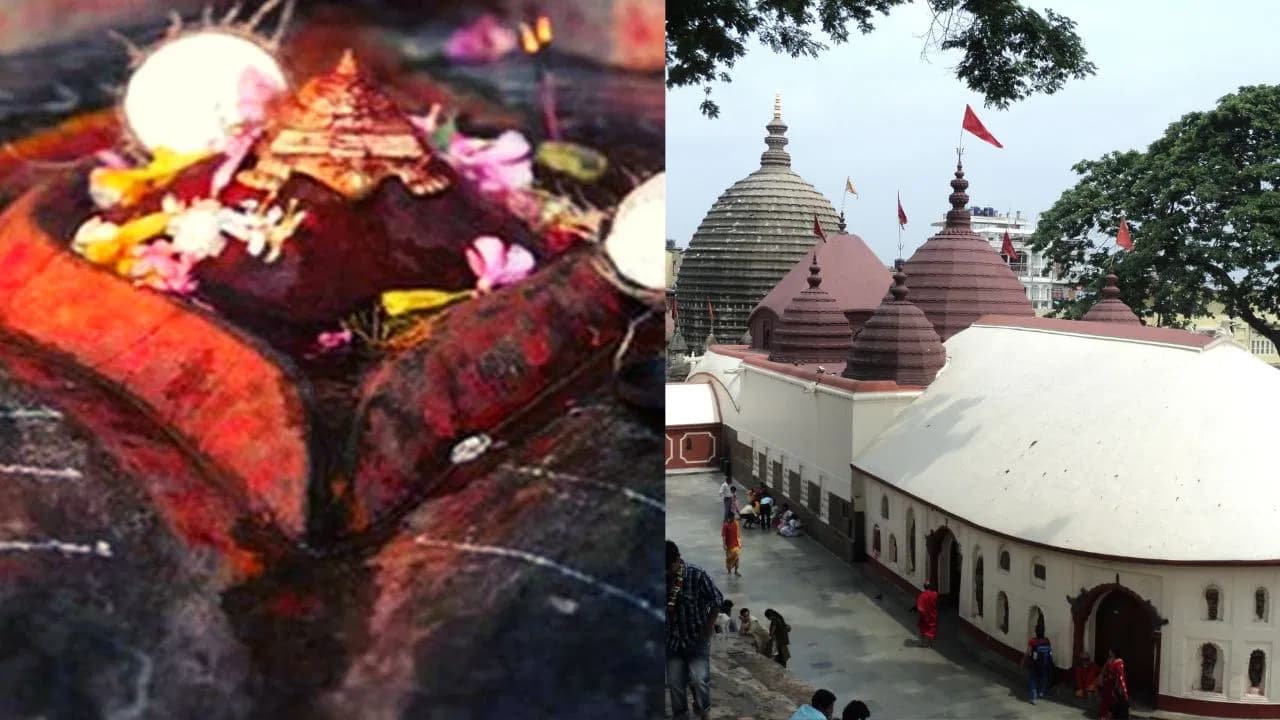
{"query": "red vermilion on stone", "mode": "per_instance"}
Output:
(475, 376)
(956, 277)
(224, 396)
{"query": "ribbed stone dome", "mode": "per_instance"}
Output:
(896, 343)
(811, 328)
(754, 233)
(956, 277)
(1111, 308)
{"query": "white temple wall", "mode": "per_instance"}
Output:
(1176, 592)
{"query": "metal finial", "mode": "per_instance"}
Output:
(777, 104)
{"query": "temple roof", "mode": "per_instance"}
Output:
(1120, 440)
(852, 274)
(897, 343)
(754, 233)
(812, 328)
(957, 277)
(1111, 308)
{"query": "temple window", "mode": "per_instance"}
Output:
(911, 540)
(1038, 572)
(977, 584)
(1035, 622)
(1210, 664)
(1257, 671)
(1005, 562)
(1213, 603)
(884, 507)
(1260, 604)
(1002, 612)
(875, 540)
(893, 548)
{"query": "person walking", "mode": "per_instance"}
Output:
(693, 604)
(927, 623)
(726, 494)
(1038, 661)
(779, 636)
(732, 537)
(1114, 692)
(822, 706)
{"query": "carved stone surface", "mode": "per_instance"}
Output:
(755, 232)
(956, 277)
(1111, 308)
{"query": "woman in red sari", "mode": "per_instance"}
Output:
(1114, 691)
(927, 606)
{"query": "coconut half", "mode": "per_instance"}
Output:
(637, 239)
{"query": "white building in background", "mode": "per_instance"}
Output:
(1033, 270)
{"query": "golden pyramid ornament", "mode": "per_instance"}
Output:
(346, 133)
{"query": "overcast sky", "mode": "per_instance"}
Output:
(872, 109)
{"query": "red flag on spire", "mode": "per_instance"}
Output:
(975, 126)
(902, 214)
(712, 311)
(1122, 238)
(675, 308)
(817, 229)
(1007, 248)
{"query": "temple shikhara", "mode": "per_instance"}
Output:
(1106, 479)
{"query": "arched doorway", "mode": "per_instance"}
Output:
(945, 566)
(1122, 621)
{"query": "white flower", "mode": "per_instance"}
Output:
(196, 230)
(94, 230)
(470, 448)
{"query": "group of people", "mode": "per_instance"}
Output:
(773, 640)
(822, 706)
(1107, 682)
(759, 510)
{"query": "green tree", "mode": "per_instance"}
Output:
(1010, 51)
(1203, 210)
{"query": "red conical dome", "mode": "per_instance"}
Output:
(897, 343)
(812, 327)
(956, 277)
(1111, 308)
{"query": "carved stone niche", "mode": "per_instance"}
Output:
(1212, 597)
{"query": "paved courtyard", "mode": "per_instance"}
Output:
(849, 634)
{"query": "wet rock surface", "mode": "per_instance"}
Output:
(529, 592)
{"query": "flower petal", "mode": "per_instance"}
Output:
(486, 256)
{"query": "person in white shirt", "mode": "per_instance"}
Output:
(726, 496)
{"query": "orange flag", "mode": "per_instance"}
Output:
(1122, 238)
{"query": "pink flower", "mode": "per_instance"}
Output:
(497, 166)
(334, 340)
(159, 266)
(483, 41)
(112, 159)
(496, 263)
(237, 149)
(256, 91)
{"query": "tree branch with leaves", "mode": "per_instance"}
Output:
(1203, 204)
(1009, 51)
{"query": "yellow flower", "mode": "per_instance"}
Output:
(400, 302)
(125, 186)
(105, 243)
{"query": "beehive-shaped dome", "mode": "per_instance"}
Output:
(1111, 308)
(897, 343)
(956, 277)
(812, 327)
(754, 233)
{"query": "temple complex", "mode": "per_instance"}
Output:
(754, 233)
(1103, 478)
